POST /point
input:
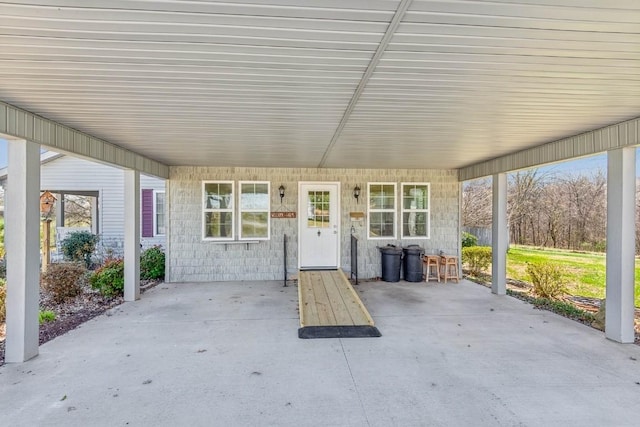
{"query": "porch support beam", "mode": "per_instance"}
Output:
(499, 235)
(401, 10)
(22, 240)
(621, 191)
(131, 235)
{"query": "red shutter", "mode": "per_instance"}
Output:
(147, 213)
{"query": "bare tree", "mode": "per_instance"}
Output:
(586, 199)
(77, 211)
(524, 192)
(476, 203)
(553, 212)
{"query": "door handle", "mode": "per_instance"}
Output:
(318, 232)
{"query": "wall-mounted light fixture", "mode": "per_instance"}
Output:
(281, 190)
(356, 193)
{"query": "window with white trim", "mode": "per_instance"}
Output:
(225, 220)
(255, 203)
(415, 210)
(159, 213)
(217, 215)
(382, 209)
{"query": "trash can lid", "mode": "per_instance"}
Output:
(414, 249)
(390, 249)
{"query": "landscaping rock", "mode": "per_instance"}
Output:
(598, 323)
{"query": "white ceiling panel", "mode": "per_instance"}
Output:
(324, 83)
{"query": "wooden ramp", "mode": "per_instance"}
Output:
(331, 308)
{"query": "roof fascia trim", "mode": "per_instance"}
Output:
(23, 124)
(623, 134)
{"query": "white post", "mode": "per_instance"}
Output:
(131, 235)
(621, 192)
(60, 210)
(94, 214)
(499, 235)
(22, 241)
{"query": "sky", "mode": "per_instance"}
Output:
(585, 165)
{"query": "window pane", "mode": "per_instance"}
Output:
(77, 211)
(414, 224)
(218, 195)
(376, 197)
(414, 197)
(381, 197)
(388, 197)
(382, 206)
(255, 224)
(381, 224)
(218, 224)
(415, 210)
(254, 196)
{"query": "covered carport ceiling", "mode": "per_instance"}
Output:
(323, 83)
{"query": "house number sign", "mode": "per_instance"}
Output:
(283, 214)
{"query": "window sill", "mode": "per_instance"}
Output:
(233, 242)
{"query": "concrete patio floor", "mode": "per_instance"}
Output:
(227, 354)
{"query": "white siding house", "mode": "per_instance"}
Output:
(104, 184)
(198, 251)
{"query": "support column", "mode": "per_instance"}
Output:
(131, 235)
(94, 215)
(621, 192)
(499, 235)
(22, 241)
(60, 216)
(60, 210)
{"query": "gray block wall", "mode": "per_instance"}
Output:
(191, 259)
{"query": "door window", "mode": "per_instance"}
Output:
(319, 209)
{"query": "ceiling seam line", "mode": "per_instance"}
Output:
(375, 60)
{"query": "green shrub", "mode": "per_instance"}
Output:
(109, 279)
(152, 263)
(46, 316)
(79, 246)
(547, 279)
(468, 240)
(3, 300)
(600, 246)
(63, 280)
(477, 258)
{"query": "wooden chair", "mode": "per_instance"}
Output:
(449, 268)
(432, 263)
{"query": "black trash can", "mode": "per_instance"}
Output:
(412, 264)
(391, 256)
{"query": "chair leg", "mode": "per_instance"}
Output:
(453, 265)
(449, 270)
(432, 268)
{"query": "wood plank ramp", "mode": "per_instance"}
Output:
(331, 308)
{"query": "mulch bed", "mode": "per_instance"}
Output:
(522, 290)
(74, 312)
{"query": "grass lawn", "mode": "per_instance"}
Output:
(585, 272)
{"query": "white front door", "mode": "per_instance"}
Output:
(318, 225)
